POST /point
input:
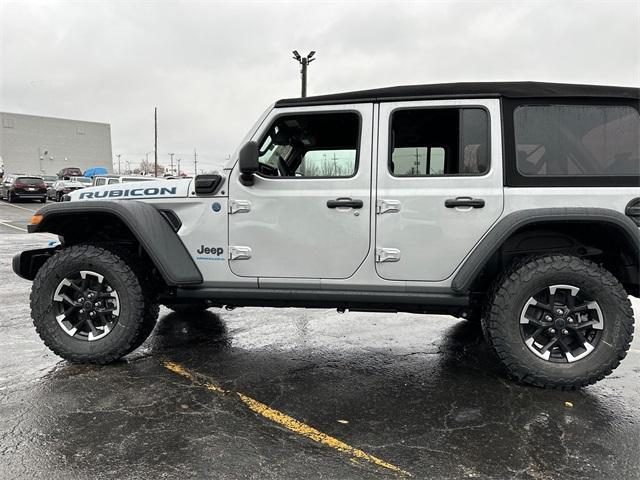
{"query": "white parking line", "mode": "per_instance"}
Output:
(5, 224)
(16, 206)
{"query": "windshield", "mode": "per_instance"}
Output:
(50, 178)
(137, 179)
(29, 180)
(83, 180)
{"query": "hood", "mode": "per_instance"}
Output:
(134, 191)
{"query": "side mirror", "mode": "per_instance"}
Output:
(248, 162)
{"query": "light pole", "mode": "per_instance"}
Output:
(119, 155)
(178, 160)
(171, 155)
(304, 62)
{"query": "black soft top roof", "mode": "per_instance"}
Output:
(469, 90)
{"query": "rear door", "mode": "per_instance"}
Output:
(307, 214)
(439, 185)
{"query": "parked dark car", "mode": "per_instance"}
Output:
(27, 187)
(69, 172)
(62, 187)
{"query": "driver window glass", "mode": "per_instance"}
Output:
(328, 163)
(577, 140)
(316, 145)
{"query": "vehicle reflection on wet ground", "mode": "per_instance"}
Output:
(420, 393)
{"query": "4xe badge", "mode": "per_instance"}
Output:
(210, 253)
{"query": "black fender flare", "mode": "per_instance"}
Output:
(148, 226)
(507, 226)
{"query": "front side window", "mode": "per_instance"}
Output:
(577, 140)
(311, 146)
(439, 141)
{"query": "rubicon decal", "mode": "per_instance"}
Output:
(210, 253)
(129, 192)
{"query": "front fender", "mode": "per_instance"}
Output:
(143, 220)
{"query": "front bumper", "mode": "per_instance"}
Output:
(26, 264)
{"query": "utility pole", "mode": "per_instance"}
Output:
(417, 163)
(118, 155)
(304, 63)
(195, 162)
(155, 141)
(179, 166)
(171, 155)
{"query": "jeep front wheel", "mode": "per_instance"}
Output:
(559, 321)
(87, 305)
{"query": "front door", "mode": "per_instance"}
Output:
(439, 185)
(307, 214)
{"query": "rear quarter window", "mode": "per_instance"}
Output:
(577, 141)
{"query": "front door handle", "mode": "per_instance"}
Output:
(464, 202)
(344, 203)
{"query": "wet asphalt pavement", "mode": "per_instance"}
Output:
(241, 394)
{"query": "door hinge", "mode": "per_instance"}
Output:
(239, 253)
(239, 206)
(384, 206)
(387, 255)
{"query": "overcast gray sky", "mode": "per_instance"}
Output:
(212, 67)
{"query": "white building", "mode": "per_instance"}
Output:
(36, 145)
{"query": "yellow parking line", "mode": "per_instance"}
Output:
(288, 422)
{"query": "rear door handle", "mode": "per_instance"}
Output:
(464, 202)
(344, 203)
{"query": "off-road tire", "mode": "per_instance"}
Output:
(501, 324)
(187, 307)
(119, 274)
(149, 290)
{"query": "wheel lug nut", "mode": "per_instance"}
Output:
(548, 318)
(81, 299)
(82, 310)
(559, 311)
(569, 320)
(552, 331)
(565, 332)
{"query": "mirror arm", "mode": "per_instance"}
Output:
(246, 179)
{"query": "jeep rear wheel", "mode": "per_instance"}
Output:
(87, 305)
(559, 321)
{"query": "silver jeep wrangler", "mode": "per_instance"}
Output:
(516, 205)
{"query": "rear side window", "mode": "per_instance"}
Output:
(439, 141)
(577, 141)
